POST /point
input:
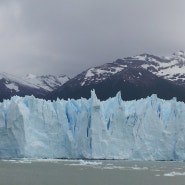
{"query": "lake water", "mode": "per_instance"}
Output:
(79, 172)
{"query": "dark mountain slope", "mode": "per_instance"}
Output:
(134, 83)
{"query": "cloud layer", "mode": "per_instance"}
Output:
(66, 37)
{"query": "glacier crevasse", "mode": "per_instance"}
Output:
(146, 129)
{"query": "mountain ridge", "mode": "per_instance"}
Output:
(136, 77)
(168, 72)
(11, 85)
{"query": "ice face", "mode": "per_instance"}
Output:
(146, 129)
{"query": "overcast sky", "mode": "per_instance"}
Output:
(69, 36)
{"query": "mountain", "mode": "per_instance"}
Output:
(136, 77)
(170, 68)
(46, 82)
(39, 86)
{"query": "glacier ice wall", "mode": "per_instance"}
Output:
(146, 129)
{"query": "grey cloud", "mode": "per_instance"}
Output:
(62, 36)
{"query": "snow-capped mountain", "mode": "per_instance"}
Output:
(11, 85)
(38, 86)
(170, 68)
(140, 75)
(46, 82)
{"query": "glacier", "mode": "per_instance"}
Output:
(145, 129)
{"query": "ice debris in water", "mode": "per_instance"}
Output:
(146, 129)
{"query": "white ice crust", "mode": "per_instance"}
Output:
(146, 129)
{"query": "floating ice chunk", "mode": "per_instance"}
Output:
(172, 174)
(82, 162)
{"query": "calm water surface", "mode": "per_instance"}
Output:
(64, 172)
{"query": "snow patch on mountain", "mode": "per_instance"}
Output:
(15, 79)
(171, 68)
(12, 86)
(47, 82)
(101, 73)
